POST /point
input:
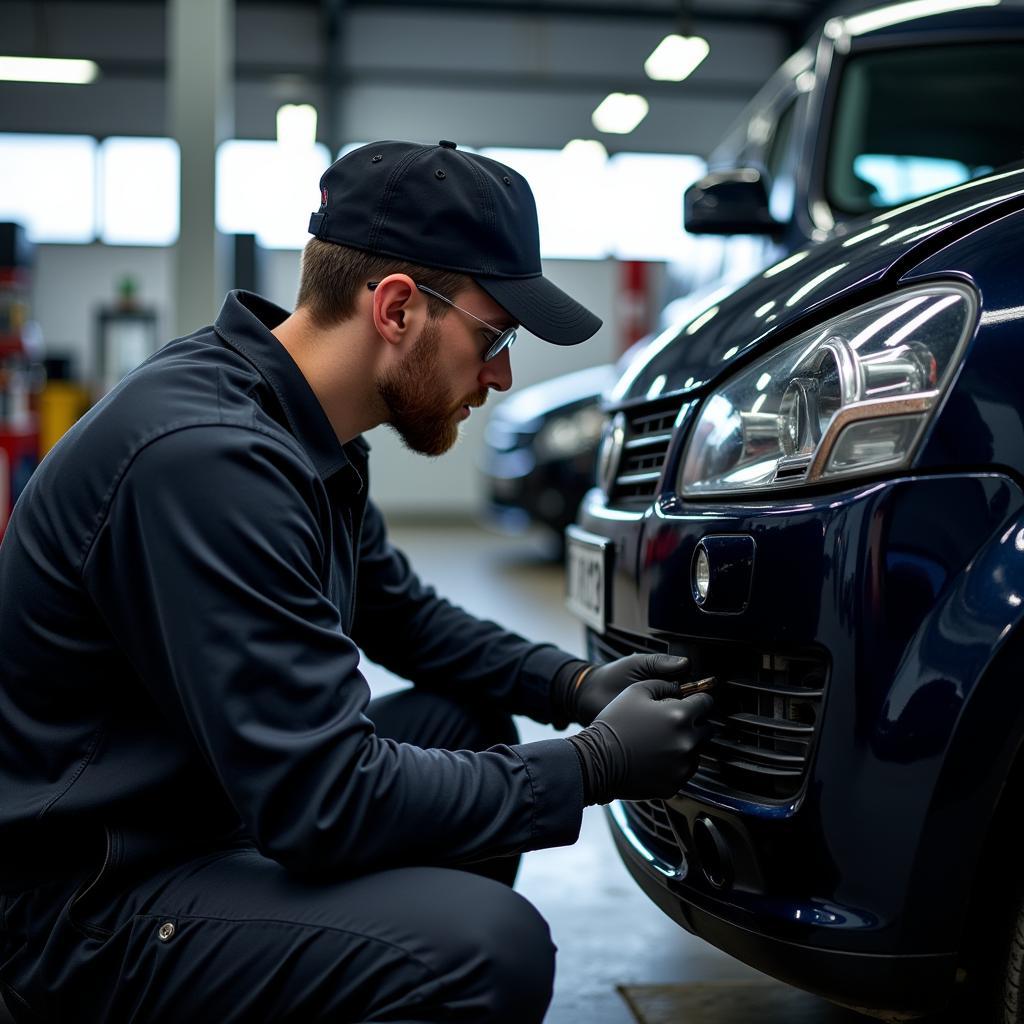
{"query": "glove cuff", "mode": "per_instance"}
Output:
(602, 760)
(564, 687)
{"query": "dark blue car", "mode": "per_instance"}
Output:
(815, 491)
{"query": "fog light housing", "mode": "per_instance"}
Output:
(701, 574)
(721, 573)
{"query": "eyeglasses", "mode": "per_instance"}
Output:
(502, 339)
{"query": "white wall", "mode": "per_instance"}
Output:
(70, 282)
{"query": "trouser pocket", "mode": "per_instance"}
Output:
(86, 906)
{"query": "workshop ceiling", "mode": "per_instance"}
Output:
(414, 65)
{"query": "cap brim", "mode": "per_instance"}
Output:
(542, 308)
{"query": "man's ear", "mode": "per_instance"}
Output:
(397, 306)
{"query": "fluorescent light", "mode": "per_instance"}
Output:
(676, 57)
(585, 151)
(883, 17)
(249, 170)
(48, 69)
(296, 124)
(619, 113)
(139, 184)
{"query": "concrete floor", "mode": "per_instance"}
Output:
(607, 932)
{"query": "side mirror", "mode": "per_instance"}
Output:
(729, 203)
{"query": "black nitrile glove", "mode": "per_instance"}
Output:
(591, 690)
(643, 745)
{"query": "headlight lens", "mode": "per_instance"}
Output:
(848, 398)
(571, 434)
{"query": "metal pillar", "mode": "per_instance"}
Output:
(200, 91)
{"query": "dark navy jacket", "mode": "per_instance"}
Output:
(183, 586)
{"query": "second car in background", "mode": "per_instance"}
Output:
(540, 444)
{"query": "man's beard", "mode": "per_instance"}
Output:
(422, 411)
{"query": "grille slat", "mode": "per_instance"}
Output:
(741, 721)
(713, 767)
(766, 758)
(650, 441)
(639, 478)
(778, 691)
(647, 441)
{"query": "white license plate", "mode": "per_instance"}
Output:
(587, 574)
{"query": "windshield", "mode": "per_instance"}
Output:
(913, 121)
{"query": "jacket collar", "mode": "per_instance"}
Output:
(245, 322)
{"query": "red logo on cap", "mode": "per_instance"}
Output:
(323, 196)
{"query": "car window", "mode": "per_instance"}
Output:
(778, 150)
(779, 163)
(913, 121)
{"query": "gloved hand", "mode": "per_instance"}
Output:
(601, 684)
(643, 745)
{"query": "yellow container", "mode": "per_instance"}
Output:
(61, 403)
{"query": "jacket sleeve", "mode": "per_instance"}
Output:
(443, 647)
(211, 570)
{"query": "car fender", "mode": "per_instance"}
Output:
(966, 710)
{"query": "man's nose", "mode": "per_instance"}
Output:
(497, 372)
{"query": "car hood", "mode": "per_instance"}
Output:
(812, 283)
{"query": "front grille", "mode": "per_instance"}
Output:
(647, 439)
(767, 709)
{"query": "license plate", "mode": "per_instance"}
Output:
(587, 573)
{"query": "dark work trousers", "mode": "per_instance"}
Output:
(231, 937)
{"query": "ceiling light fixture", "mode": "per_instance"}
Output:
(585, 151)
(619, 113)
(48, 69)
(676, 57)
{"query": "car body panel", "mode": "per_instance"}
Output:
(905, 590)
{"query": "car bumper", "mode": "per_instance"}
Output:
(865, 981)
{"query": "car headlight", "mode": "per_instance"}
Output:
(850, 397)
(571, 434)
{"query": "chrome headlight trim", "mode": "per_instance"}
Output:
(610, 452)
(848, 398)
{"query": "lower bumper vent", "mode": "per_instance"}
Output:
(767, 709)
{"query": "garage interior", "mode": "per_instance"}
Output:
(515, 76)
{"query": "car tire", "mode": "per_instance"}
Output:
(1013, 983)
(994, 988)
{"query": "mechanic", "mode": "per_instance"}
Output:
(203, 816)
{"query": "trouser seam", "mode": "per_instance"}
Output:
(292, 924)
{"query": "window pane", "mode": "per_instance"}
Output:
(645, 205)
(570, 192)
(48, 184)
(915, 120)
(269, 190)
(139, 191)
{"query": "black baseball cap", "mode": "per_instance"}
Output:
(442, 207)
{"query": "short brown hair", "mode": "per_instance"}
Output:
(334, 276)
